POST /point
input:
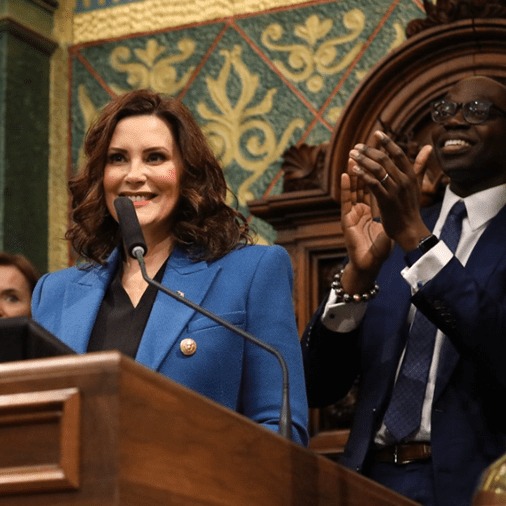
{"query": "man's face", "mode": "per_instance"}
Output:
(473, 155)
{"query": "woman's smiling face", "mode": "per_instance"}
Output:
(144, 164)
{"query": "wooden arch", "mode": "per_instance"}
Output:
(397, 93)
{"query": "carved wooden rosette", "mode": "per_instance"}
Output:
(449, 11)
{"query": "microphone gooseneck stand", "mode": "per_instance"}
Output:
(135, 245)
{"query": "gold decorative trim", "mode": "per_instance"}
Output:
(152, 15)
(58, 197)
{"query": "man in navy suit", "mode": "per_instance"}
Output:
(402, 269)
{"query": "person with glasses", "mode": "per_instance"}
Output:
(418, 312)
(474, 112)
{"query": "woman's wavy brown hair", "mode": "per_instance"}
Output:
(203, 225)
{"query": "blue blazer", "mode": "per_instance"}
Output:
(468, 425)
(251, 287)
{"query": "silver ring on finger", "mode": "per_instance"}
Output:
(384, 178)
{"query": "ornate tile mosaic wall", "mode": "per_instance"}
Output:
(258, 82)
(91, 5)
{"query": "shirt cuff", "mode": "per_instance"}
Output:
(427, 266)
(341, 316)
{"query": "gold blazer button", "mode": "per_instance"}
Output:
(188, 346)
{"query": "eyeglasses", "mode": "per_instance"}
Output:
(474, 112)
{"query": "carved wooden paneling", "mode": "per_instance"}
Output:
(39, 437)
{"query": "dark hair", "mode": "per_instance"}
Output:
(23, 265)
(204, 225)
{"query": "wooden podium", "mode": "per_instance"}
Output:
(100, 429)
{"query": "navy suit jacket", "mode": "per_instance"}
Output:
(251, 287)
(468, 425)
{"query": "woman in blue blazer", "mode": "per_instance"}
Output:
(149, 149)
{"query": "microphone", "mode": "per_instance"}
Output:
(131, 232)
(135, 245)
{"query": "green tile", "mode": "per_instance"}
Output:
(242, 104)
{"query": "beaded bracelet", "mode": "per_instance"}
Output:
(346, 297)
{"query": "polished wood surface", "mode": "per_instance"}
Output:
(100, 429)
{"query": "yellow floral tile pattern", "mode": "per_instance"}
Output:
(258, 80)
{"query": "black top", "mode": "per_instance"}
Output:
(120, 325)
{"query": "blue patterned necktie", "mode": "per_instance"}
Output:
(403, 415)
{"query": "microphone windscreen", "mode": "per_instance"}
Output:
(129, 225)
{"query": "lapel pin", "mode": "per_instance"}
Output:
(188, 346)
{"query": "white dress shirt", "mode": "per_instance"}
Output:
(481, 208)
